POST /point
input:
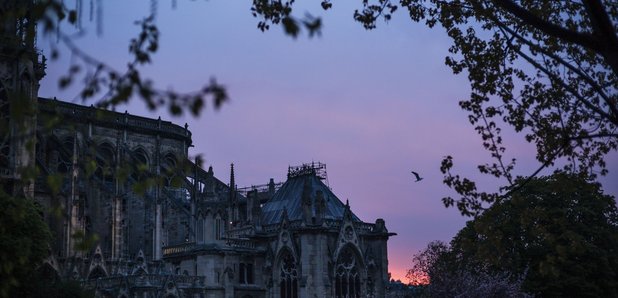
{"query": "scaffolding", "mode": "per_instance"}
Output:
(314, 168)
(263, 188)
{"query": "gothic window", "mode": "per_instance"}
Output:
(347, 275)
(218, 227)
(200, 229)
(66, 156)
(105, 161)
(139, 158)
(168, 167)
(245, 273)
(288, 282)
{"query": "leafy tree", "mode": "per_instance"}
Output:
(443, 274)
(24, 239)
(424, 262)
(559, 232)
(547, 69)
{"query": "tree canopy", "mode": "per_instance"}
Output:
(24, 242)
(558, 235)
(560, 232)
(442, 275)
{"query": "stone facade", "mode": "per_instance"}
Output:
(199, 238)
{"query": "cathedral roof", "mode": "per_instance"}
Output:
(289, 198)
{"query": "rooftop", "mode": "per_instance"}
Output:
(289, 196)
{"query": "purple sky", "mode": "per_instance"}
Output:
(372, 105)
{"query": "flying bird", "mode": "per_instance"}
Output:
(418, 178)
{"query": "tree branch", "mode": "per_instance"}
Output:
(551, 29)
(604, 32)
(529, 178)
(496, 150)
(601, 23)
(553, 77)
(598, 89)
(594, 136)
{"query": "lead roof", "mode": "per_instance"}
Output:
(289, 198)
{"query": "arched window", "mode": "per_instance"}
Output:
(200, 229)
(105, 158)
(288, 278)
(66, 156)
(169, 167)
(218, 227)
(347, 275)
(139, 158)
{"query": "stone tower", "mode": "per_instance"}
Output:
(21, 68)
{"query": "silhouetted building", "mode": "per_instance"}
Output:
(201, 237)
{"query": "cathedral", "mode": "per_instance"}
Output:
(201, 237)
(160, 225)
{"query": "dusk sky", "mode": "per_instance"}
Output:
(372, 105)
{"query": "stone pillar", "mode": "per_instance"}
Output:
(158, 220)
(20, 72)
(74, 224)
(117, 237)
(314, 265)
(158, 232)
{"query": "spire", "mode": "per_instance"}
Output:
(232, 183)
(210, 183)
(347, 213)
(271, 187)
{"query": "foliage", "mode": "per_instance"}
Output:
(446, 276)
(559, 232)
(544, 68)
(24, 241)
(280, 12)
(424, 262)
(556, 237)
(547, 69)
(40, 286)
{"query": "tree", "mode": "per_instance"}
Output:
(424, 262)
(24, 239)
(547, 69)
(440, 273)
(559, 233)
